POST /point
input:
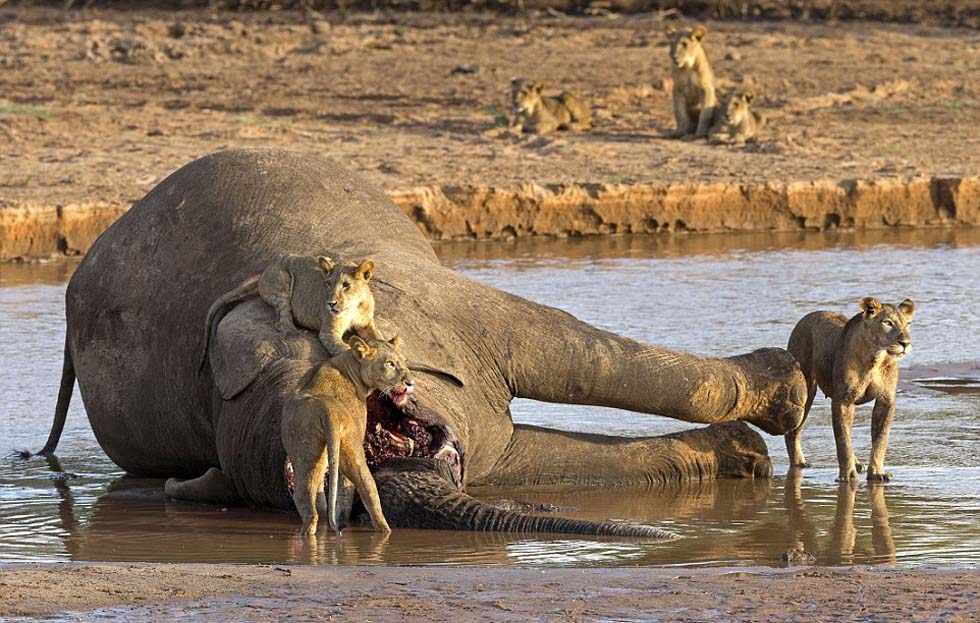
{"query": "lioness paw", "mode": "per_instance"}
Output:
(879, 476)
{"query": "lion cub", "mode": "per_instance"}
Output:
(735, 122)
(317, 292)
(325, 422)
(536, 113)
(694, 83)
(853, 361)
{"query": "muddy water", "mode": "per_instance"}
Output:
(714, 295)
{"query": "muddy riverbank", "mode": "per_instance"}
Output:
(98, 105)
(281, 593)
(489, 213)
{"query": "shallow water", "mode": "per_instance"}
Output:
(713, 295)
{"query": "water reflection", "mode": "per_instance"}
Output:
(724, 522)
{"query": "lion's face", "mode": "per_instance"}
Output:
(347, 284)
(383, 368)
(887, 326)
(736, 106)
(685, 44)
(525, 95)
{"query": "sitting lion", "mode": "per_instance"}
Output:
(536, 113)
(853, 361)
(694, 83)
(325, 422)
(320, 294)
(735, 122)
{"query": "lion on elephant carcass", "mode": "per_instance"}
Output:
(132, 338)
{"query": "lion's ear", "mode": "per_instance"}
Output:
(366, 270)
(359, 347)
(907, 307)
(670, 30)
(698, 32)
(326, 264)
(396, 342)
(748, 96)
(870, 306)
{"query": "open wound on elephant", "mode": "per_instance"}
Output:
(399, 432)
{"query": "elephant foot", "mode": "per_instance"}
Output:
(772, 391)
(742, 453)
(214, 487)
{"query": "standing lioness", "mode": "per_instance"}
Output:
(853, 361)
(694, 83)
(325, 421)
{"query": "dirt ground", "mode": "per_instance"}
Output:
(97, 106)
(269, 593)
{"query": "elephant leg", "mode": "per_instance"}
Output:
(214, 487)
(541, 456)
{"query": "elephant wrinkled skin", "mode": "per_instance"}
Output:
(136, 305)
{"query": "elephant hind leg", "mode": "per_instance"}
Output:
(214, 487)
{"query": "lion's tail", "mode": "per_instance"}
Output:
(248, 288)
(333, 456)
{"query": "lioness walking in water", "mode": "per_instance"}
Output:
(853, 361)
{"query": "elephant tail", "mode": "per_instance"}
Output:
(333, 465)
(420, 496)
(216, 312)
(64, 399)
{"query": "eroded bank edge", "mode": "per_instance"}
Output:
(476, 212)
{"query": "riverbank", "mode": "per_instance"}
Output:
(867, 121)
(489, 213)
(184, 592)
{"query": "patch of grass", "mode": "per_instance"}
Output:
(894, 110)
(25, 110)
(260, 121)
(959, 104)
(500, 120)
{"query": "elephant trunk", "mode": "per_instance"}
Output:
(417, 493)
(549, 355)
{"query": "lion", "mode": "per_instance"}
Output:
(317, 292)
(853, 361)
(694, 83)
(735, 122)
(325, 422)
(536, 113)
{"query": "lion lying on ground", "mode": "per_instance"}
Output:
(534, 112)
(735, 122)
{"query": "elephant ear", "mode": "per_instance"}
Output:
(245, 344)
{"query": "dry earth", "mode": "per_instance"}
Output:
(96, 106)
(266, 593)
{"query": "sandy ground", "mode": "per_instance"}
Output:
(268, 593)
(98, 105)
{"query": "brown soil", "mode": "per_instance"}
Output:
(266, 593)
(97, 106)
